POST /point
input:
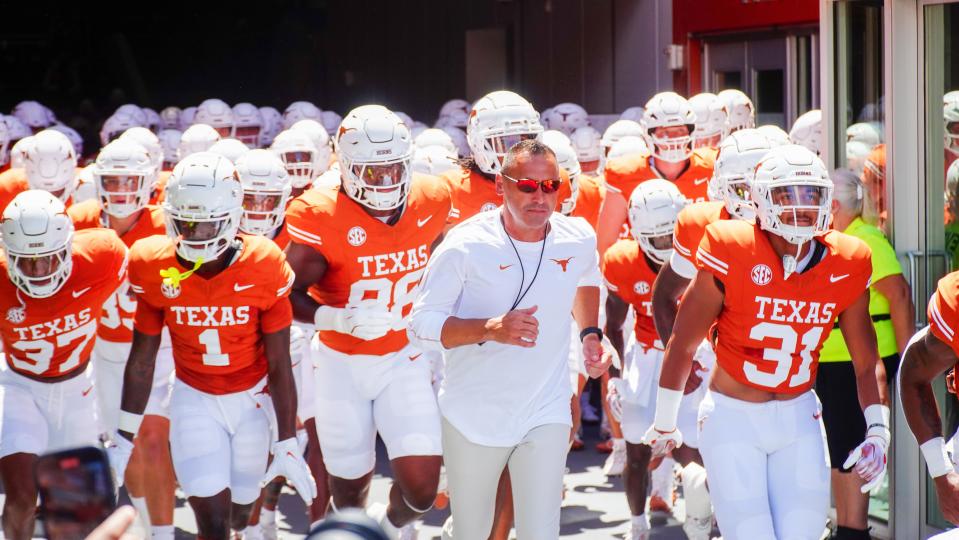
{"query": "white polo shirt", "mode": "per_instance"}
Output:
(494, 394)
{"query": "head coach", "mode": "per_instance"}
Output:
(497, 299)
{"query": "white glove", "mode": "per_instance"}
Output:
(367, 323)
(299, 341)
(119, 453)
(662, 443)
(869, 461)
(288, 462)
(614, 397)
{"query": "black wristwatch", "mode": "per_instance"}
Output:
(590, 330)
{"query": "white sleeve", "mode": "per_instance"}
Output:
(682, 266)
(440, 290)
(591, 276)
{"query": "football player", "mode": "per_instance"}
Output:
(122, 177)
(248, 124)
(229, 324)
(629, 268)
(586, 141)
(767, 314)
(807, 131)
(49, 163)
(668, 123)
(299, 110)
(57, 282)
(566, 118)
(358, 253)
(216, 114)
(740, 112)
(499, 120)
(151, 142)
(197, 138)
(710, 120)
(301, 157)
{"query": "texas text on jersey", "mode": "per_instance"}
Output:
(51, 337)
(623, 174)
(217, 324)
(770, 329)
(370, 261)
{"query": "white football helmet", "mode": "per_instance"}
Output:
(775, 134)
(710, 120)
(669, 110)
(18, 152)
(135, 111)
(375, 150)
(299, 154)
(299, 110)
(455, 113)
(231, 149)
(407, 119)
(950, 114)
(616, 131)
(51, 164)
(586, 142)
(86, 188)
(633, 113)
(124, 175)
(732, 174)
(115, 125)
(34, 114)
(153, 119)
(272, 125)
(186, 118)
(807, 131)
(75, 139)
(196, 138)
(217, 114)
(16, 129)
(248, 123)
(864, 132)
(498, 121)
(740, 113)
(653, 208)
(331, 121)
(952, 188)
(148, 140)
(203, 206)
(789, 182)
(37, 237)
(266, 191)
(566, 157)
(170, 118)
(566, 117)
(626, 146)
(435, 137)
(856, 154)
(433, 160)
(170, 142)
(321, 140)
(459, 139)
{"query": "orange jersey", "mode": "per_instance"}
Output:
(116, 321)
(623, 174)
(50, 337)
(159, 189)
(691, 226)
(282, 238)
(217, 324)
(589, 200)
(943, 311)
(630, 277)
(368, 261)
(12, 183)
(472, 193)
(770, 330)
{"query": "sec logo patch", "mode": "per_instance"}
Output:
(487, 207)
(641, 287)
(761, 274)
(356, 236)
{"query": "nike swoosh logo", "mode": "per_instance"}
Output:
(87, 391)
(700, 181)
(834, 278)
(817, 416)
(504, 266)
(415, 356)
(421, 222)
(78, 294)
(238, 288)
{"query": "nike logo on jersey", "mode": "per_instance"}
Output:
(700, 181)
(87, 391)
(421, 222)
(415, 356)
(78, 294)
(239, 288)
(817, 415)
(505, 266)
(834, 278)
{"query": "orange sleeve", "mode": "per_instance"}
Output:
(712, 255)
(686, 234)
(301, 225)
(279, 312)
(614, 271)
(148, 319)
(85, 215)
(942, 311)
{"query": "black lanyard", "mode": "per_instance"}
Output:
(521, 293)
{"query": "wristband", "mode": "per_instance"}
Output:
(325, 318)
(877, 421)
(937, 459)
(129, 422)
(667, 409)
(590, 330)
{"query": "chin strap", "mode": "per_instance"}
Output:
(789, 262)
(172, 275)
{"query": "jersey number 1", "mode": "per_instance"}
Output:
(210, 338)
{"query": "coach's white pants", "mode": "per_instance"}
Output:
(536, 467)
(767, 466)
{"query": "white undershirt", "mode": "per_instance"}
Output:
(494, 394)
